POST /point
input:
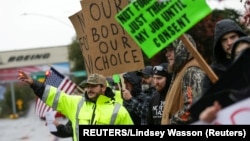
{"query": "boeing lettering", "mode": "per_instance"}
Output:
(28, 57)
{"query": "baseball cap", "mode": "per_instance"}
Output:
(148, 70)
(96, 79)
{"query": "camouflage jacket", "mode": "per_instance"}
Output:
(191, 89)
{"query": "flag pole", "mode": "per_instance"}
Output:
(80, 89)
(77, 87)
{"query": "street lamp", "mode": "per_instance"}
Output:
(47, 16)
(49, 30)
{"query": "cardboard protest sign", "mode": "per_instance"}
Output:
(155, 25)
(106, 48)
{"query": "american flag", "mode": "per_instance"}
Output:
(56, 79)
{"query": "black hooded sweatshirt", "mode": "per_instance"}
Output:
(135, 80)
(220, 62)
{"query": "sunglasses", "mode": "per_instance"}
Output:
(158, 68)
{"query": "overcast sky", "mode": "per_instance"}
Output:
(36, 23)
(29, 24)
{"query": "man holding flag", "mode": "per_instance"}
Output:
(56, 79)
(79, 109)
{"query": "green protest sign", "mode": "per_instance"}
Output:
(154, 25)
(116, 78)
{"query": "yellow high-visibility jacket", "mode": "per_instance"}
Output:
(118, 96)
(81, 111)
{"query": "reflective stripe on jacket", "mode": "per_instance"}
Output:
(102, 112)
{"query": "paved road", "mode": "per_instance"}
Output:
(29, 128)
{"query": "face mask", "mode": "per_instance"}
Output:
(144, 87)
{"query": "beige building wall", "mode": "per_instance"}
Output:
(33, 57)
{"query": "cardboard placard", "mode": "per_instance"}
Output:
(106, 48)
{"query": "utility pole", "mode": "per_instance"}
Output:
(14, 114)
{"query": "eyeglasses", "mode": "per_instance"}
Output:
(158, 68)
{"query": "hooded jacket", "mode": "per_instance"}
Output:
(185, 86)
(221, 62)
(230, 88)
(135, 80)
(244, 39)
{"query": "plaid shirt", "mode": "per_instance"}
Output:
(140, 104)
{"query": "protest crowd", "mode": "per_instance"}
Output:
(176, 92)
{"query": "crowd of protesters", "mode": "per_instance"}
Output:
(162, 94)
